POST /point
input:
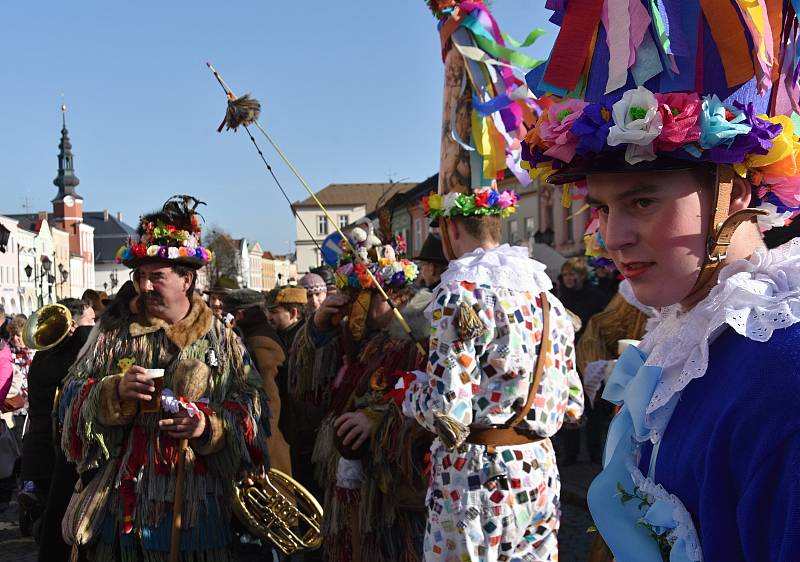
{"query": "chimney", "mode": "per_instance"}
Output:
(42, 215)
(105, 215)
(119, 216)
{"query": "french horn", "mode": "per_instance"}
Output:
(276, 508)
(47, 327)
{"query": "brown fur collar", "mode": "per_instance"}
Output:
(194, 326)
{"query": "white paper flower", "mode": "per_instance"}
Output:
(774, 219)
(152, 250)
(449, 202)
(637, 123)
(172, 252)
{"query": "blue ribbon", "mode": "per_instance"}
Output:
(631, 384)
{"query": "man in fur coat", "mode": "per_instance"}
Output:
(111, 429)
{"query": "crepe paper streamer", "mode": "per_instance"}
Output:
(775, 11)
(639, 24)
(499, 102)
(660, 28)
(671, 11)
(482, 57)
(753, 13)
(616, 19)
(726, 29)
(487, 43)
(448, 28)
(571, 48)
(648, 62)
(529, 40)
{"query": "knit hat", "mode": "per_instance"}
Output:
(169, 236)
(313, 283)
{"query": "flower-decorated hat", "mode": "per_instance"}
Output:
(384, 261)
(481, 202)
(171, 236)
(634, 85)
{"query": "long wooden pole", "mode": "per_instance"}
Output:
(177, 504)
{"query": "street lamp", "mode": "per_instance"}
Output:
(114, 280)
(44, 273)
(64, 273)
(28, 271)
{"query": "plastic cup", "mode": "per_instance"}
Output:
(157, 379)
(622, 344)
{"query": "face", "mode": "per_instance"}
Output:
(162, 290)
(380, 313)
(87, 318)
(430, 273)
(215, 303)
(571, 279)
(315, 300)
(654, 227)
(282, 318)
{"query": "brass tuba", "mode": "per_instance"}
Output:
(276, 508)
(47, 327)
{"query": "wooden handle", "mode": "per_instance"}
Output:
(177, 503)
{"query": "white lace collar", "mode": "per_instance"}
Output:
(506, 266)
(754, 297)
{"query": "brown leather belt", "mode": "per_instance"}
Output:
(500, 436)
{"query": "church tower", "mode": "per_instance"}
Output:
(67, 204)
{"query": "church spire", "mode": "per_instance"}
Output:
(66, 180)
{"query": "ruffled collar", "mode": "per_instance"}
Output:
(505, 266)
(754, 296)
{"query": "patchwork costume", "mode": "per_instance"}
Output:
(701, 461)
(120, 451)
(489, 503)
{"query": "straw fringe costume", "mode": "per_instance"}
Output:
(99, 429)
(494, 503)
(374, 501)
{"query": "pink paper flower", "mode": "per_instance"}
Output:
(507, 199)
(679, 114)
(555, 131)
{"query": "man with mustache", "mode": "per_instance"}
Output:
(110, 424)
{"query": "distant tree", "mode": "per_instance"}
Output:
(226, 262)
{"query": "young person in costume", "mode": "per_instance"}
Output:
(115, 430)
(501, 380)
(686, 136)
(369, 458)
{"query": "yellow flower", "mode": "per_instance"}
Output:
(410, 271)
(436, 201)
(783, 145)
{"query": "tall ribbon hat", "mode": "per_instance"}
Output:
(636, 85)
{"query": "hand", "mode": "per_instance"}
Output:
(183, 426)
(136, 385)
(354, 428)
(333, 305)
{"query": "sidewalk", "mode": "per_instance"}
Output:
(573, 538)
(13, 546)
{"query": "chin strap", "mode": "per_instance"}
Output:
(721, 228)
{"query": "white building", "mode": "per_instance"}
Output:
(255, 253)
(346, 203)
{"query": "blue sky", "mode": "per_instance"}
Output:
(350, 90)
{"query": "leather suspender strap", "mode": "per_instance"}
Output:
(509, 433)
(544, 347)
(722, 227)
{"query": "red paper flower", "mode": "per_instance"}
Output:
(679, 115)
(482, 199)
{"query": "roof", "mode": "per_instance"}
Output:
(352, 194)
(109, 235)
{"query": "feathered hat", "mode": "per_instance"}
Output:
(171, 235)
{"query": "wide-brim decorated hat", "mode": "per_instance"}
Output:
(668, 85)
(169, 236)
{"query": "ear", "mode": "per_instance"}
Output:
(741, 195)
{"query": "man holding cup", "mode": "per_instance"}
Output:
(117, 417)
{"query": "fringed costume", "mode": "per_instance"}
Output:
(374, 499)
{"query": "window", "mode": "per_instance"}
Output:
(513, 232)
(322, 225)
(344, 220)
(530, 225)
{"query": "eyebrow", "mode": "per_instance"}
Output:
(638, 189)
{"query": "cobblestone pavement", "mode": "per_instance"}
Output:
(573, 539)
